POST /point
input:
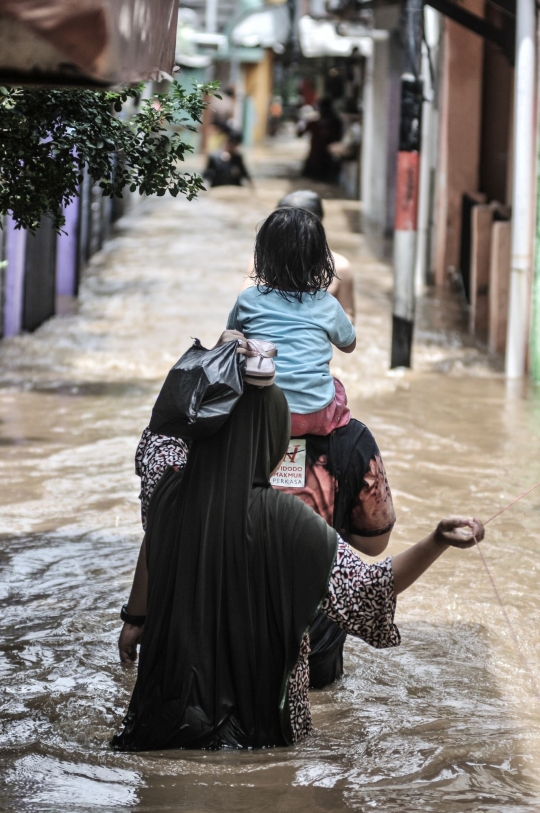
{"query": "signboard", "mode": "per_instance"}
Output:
(292, 472)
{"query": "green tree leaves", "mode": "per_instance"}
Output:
(48, 136)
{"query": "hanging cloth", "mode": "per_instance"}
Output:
(236, 574)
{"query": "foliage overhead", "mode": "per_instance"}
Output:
(48, 137)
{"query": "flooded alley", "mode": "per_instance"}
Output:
(445, 723)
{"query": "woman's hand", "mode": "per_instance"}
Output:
(235, 335)
(452, 531)
(414, 561)
(130, 636)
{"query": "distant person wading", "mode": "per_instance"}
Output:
(226, 166)
(327, 129)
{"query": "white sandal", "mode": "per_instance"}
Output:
(260, 369)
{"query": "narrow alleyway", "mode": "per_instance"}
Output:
(445, 723)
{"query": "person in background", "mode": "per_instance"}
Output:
(226, 166)
(342, 286)
(320, 165)
(223, 110)
(275, 114)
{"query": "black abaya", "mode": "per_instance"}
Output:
(236, 574)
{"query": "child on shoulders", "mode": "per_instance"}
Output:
(290, 306)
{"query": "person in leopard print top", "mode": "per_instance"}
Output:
(360, 599)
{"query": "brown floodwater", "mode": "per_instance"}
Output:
(446, 723)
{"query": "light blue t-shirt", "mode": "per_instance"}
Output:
(303, 333)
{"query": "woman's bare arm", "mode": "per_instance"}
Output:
(370, 545)
(137, 597)
(130, 634)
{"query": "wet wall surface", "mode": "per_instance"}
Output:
(446, 722)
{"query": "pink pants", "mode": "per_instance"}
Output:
(325, 420)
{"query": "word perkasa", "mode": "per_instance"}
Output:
(292, 472)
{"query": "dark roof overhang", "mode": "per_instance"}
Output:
(503, 34)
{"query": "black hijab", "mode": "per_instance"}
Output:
(236, 574)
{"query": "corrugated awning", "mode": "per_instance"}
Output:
(86, 42)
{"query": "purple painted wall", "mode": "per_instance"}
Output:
(15, 257)
(67, 252)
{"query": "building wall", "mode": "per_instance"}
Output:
(497, 105)
(459, 145)
(258, 89)
(41, 272)
(380, 142)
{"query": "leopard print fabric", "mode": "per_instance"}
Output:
(361, 600)
(360, 597)
(155, 453)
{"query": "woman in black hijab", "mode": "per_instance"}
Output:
(237, 572)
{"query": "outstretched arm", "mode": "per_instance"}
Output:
(361, 598)
(451, 532)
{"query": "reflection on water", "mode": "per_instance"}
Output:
(445, 723)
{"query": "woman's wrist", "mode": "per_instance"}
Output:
(130, 618)
(438, 538)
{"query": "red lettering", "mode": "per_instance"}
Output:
(292, 455)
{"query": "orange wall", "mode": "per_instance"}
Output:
(459, 145)
(258, 84)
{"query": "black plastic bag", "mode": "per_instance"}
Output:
(199, 392)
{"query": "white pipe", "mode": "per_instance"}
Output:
(431, 33)
(211, 16)
(420, 268)
(522, 190)
(367, 139)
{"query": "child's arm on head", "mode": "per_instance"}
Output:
(342, 334)
(342, 286)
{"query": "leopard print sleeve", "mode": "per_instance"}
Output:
(155, 453)
(361, 598)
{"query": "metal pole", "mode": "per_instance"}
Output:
(425, 202)
(522, 193)
(408, 171)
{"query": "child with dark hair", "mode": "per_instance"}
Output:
(290, 306)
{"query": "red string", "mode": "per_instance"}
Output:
(521, 654)
(511, 504)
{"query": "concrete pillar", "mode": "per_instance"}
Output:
(522, 190)
(375, 154)
(499, 280)
(15, 259)
(428, 150)
(482, 221)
